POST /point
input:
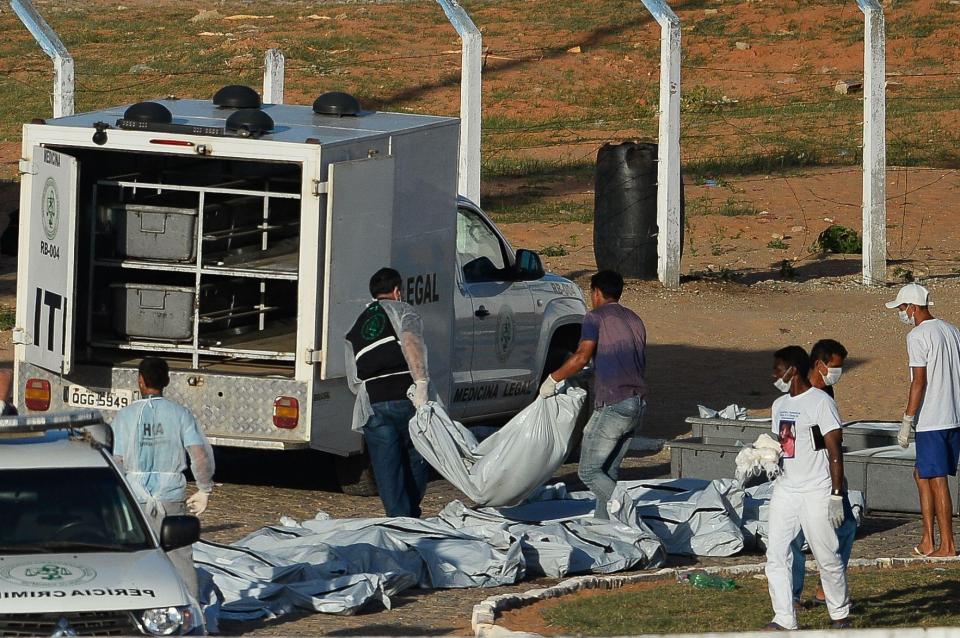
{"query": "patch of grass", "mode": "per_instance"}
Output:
(734, 208)
(753, 163)
(918, 25)
(536, 168)
(906, 597)
(8, 318)
(554, 250)
(777, 244)
(539, 211)
(713, 26)
(697, 206)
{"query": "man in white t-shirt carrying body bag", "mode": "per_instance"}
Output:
(933, 408)
(808, 495)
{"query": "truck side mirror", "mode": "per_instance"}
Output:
(529, 267)
(179, 531)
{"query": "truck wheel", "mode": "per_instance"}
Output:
(355, 475)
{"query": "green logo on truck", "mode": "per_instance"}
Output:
(51, 209)
(47, 574)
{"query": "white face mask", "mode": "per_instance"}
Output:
(832, 376)
(781, 384)
(905, 318)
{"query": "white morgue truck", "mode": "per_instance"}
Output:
(237, 239)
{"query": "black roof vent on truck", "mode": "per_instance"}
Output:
(249, 122)
(237, 96)
(336, 103)
(151, 112)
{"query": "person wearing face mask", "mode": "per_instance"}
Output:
(385, 358)
(826, 368)
(808, 495)
(933, 409)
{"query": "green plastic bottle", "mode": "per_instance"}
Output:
(710, 581)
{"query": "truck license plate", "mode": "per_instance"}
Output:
(99, 398)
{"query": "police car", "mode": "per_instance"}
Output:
(77, 556)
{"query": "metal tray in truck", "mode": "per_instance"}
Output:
(153, 311)
(146, 231)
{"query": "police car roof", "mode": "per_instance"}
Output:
(47, 441)
(46, 450)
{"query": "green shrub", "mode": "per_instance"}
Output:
(839, 239)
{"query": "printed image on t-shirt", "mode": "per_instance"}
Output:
(788, 438)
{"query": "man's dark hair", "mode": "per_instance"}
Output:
(384, 281)
(794, 357)
(824, 349)
(609, 283)
(155, 373)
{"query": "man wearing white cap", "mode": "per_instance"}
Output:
(933, 408)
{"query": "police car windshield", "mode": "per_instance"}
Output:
(68, 510)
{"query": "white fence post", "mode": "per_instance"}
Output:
(48, 40)
(668, 145)
(273, 77)
(874, 144)
(471, 68)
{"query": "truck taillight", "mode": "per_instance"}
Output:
(36, 395)
(286, 412)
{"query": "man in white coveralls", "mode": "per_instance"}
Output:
(152, 438)
(808, 495)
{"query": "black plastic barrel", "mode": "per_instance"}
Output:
(625, 209)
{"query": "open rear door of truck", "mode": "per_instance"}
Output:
(359, 223)
(47, 320)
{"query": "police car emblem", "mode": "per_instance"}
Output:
(47, 574)
(51, 209)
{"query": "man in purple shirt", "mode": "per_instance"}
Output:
(615, 338)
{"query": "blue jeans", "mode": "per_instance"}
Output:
(399, 470)
(606, 440)
(845, 534)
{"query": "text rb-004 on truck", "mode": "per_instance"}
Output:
(236, 239)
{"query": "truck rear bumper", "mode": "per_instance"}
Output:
(257, 444)
(234, 409)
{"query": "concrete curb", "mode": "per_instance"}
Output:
(485, 613)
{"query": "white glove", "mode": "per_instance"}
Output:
(903, 437)
(419, 393)
(835, 511)
(197, 504)
(548, 388)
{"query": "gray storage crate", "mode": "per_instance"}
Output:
(884, 475)
(145, 231)
(857, 435)
(150, 311)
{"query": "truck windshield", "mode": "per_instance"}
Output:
(68, 510)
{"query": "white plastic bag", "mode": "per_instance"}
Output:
(508, 465)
